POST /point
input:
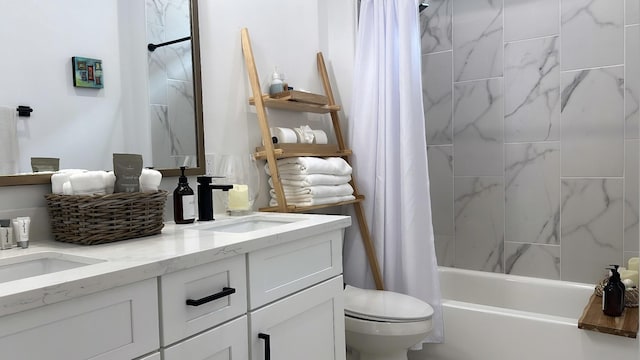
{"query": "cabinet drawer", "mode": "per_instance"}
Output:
(220, 285)
(281, 270)
(120, 323)
(226, 342)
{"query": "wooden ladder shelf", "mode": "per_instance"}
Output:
(272, 152)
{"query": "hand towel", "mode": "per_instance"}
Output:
(60, 177)
(305, 165)
(150, 180)
(315, 165)
(312, 180)
(315, 201)
(9, 152)
(109, 182)
(316, 191)
(67, 189)
(88, 183)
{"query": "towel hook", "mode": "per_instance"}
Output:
(24, 110)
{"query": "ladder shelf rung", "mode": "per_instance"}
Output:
(293, 208)
(282, 104)
(293, 150)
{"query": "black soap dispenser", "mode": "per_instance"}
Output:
(613, 294)
(184, 211)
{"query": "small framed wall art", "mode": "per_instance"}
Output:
(87, 72)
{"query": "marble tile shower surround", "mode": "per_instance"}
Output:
(171, 82)
(533, 136)
(599, 21)
(478, 128)
(532, 84)
(477, 39)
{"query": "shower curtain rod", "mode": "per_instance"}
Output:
(152, 47)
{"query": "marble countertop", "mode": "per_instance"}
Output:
(177, 247)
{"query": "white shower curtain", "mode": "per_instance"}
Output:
(387, 135)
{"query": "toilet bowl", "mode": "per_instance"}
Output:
(383, 324)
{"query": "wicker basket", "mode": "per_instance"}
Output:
(98, 219)
(630, 295)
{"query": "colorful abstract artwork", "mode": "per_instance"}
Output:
(87, 72)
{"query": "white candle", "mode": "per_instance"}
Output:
(633, 263)
(239, 197)
(631, 275)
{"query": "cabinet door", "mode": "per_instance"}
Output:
(225, 342)
(120, 323)
(307, 325)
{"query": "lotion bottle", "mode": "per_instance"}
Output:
(277, 84)
(613, 294)
(184, 211)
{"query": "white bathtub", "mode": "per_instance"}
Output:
(491, 316)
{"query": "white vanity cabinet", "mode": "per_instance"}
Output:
(119, 323)
(296, 305)
(294, 308)
(275, 295)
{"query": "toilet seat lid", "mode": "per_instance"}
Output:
(387, 306)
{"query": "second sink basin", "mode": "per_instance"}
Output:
(251, 223)
(25, 266)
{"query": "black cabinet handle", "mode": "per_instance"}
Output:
(267, 345)
(226, 291)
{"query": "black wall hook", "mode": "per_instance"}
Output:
(24, 110)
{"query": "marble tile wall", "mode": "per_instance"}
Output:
(533, 134)
(171, 95)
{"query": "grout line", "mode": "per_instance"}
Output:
(533, 38)
(560, 61)
(593, 68)
(480, 79)
(504, 147)
(438, 52)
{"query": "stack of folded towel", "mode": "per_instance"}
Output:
(83, 182)
(309, 181)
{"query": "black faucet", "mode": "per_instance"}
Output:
(205, 198)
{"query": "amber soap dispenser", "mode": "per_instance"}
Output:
(184, 210)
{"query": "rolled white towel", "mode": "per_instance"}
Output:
(150, 180)
(67, 189)
(60, 177)
(109, 182)
(88, 183)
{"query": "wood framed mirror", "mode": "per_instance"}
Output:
(68, 121)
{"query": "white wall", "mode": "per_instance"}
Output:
(285, 33)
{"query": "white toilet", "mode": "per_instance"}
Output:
(383, 325)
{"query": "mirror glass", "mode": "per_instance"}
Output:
(117, 97)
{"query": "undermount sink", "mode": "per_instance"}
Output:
(25, 266)
(249, 224)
